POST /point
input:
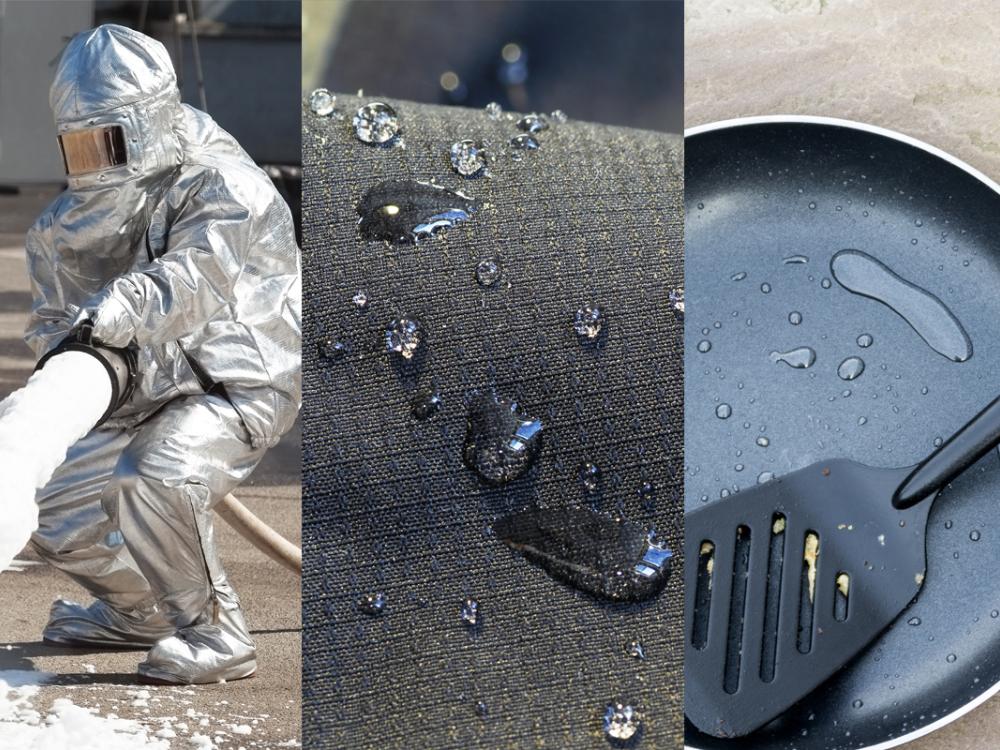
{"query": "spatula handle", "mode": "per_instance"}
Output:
(958, 453)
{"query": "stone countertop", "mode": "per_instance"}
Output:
(925, 68)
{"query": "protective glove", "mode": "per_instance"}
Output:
(113, 323)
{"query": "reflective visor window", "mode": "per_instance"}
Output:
(93, 149)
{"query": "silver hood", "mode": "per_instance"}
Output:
(186, 251)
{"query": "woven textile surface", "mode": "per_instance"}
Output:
(593, 216)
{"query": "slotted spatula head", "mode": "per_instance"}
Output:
(788, 581)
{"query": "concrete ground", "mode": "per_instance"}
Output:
(263, 712)
(908, 65)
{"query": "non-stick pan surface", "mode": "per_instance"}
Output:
(758, 193)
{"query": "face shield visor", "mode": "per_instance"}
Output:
(93, 149)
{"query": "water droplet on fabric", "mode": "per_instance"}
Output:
(795, 317)
(851, 368)
(950, 658)
(322, 102)
(647, 495)
(469, 613)
(487, 272)
(862, 421)
(494, 111)
(376, 123)
(676, 299)
(482, 710)
(825, 283)
(621, 722)
(533, 123)
(589, 322)
(723, 411)
(865, 340)
(765, 288)
(636, 650)
(406, 211)
(467, 158)
(763, 442)
(590, 477)
(914, 621)
(975, 536)
(425, 404)
(611, 558)
(332, 349)
(522, 143)
(502, 441)
(403, 337)
(739, 276)
(938, 442)
(765, 476)
(704, 346)
(800, 358)
(812, 205)
(372, 604)
(360, 300)
(558, 116)
(858, 703)
(793, 260)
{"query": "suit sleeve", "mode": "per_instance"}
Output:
(51, 318)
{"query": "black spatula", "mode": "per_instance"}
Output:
(788, 581)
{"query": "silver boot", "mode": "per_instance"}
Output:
(203, 653)
(103, 626)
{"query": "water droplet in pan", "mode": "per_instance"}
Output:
(800, 358)
(376, 123)
(862, 274)
(851, 368)
(406, 211)
(610, 558)
(502, 441)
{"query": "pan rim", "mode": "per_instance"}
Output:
(738, 122)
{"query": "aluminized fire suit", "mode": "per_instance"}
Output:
(184, 251)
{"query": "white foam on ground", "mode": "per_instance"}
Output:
(38, 424)
(66, 725)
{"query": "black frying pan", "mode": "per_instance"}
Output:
(759, 191)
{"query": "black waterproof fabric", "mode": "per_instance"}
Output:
(593, 216)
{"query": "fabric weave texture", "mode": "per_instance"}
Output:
(595, 215)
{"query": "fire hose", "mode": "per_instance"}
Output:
(75, 388)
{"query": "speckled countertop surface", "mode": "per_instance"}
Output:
(926, 68)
